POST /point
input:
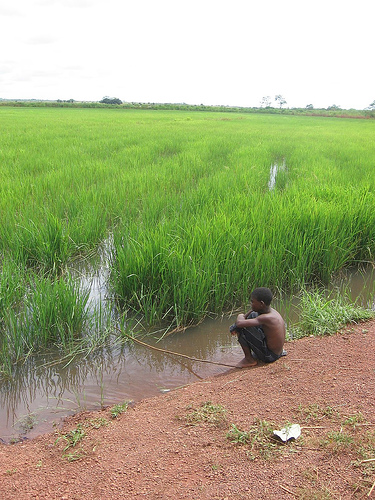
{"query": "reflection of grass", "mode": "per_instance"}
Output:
(26, 423)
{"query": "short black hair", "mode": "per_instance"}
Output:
(262, 294)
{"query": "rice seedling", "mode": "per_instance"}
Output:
(56, 311)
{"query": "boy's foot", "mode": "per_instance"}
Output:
(247, 363)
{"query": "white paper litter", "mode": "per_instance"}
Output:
(291, 432)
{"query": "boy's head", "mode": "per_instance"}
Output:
(262, 294)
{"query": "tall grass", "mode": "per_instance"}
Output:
(186, 197)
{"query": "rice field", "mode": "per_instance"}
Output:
(199, 208)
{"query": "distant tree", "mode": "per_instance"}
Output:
(265, 102)
(309, 106)
(280, 100)
(333, 107)
(110, 100)
(371, 106)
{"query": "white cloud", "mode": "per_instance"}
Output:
(211, 52)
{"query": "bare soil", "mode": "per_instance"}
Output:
(155, 451)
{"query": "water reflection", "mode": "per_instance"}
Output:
(50, 389)
(274, 169)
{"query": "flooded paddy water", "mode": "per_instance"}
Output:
(44, 390)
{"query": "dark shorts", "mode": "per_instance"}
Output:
(255, 340)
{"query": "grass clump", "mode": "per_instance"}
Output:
(321, 315)
(207, 412)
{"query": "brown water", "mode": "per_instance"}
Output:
(38, 397)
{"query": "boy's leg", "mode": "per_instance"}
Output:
(253, 342)
(248, 360)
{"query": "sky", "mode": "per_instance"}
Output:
(211, 52)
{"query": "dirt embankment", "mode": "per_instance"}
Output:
(164, 447)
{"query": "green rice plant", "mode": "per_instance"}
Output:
(187, 198)
(56, 311)
(12, 286)
(46, 247)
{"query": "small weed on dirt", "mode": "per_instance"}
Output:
(119, 409)
(73, 437)
(316, 412)
(98, 422)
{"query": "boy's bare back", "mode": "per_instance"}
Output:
(274, 329)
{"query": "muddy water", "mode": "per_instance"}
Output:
(39, 397)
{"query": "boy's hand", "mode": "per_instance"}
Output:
(233, 329)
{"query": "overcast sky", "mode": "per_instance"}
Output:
(230, 52)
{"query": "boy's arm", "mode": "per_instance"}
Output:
(243, 322)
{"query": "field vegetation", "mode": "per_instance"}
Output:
(198, 208)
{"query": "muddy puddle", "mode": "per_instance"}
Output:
(44, 390)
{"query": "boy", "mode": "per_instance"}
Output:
(261, 331)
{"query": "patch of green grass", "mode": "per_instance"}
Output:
(98, 422)
(336, 436)
(354, 420)
(10, 472)
(237, 436)
(207, 412)
(74, 456)
(322, 315)
(337, 441)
